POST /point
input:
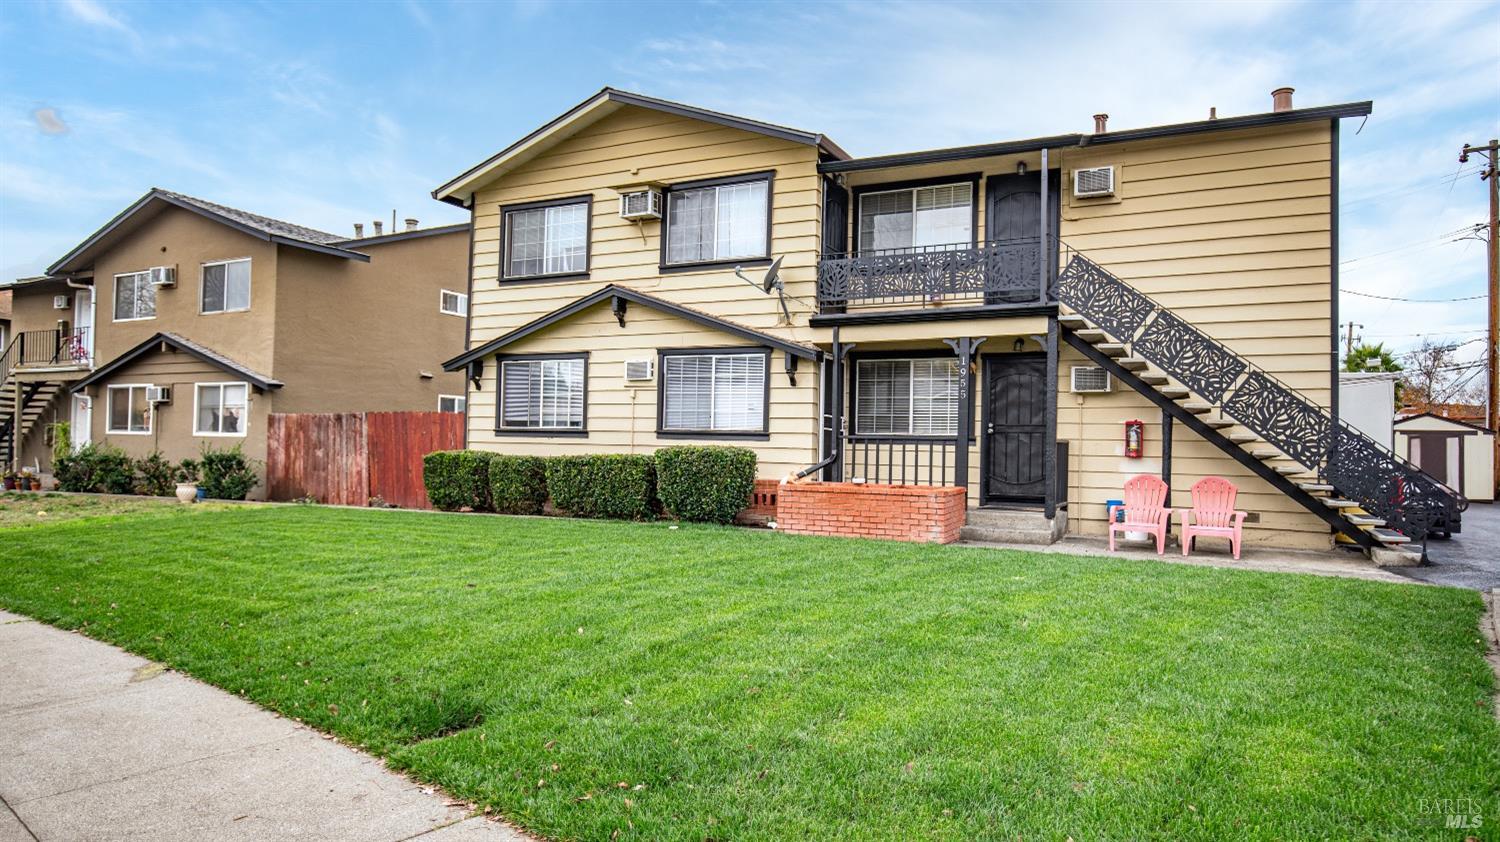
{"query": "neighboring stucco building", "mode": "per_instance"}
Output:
(236, 316)
(989, 317)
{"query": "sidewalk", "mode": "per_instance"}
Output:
(98, 744)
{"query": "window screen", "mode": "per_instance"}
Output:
(542, 394)
(723, 222)
(547, 241)
(907, 397)
(714, 392)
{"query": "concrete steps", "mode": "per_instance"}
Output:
(1014, 526)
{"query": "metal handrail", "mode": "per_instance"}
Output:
(974, 269)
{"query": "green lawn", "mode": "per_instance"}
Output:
(584, 678)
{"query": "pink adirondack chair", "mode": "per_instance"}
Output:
(1145, 510)
(1213, 514)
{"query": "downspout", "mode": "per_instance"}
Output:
(837, 399)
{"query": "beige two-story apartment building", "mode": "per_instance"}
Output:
(183, 323)
(1034, 320)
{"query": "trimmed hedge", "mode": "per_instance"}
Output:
(458, 479)
(225, 474)
(96, 467)
(706, 484)
(608, 486)
(518, 484)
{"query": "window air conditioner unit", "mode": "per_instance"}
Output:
(1094, 181)
(638, 370)
(59, 302)
(158, 394)
(1087, 378)
(641, 204)
(164, 276)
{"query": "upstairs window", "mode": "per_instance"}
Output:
(221, 409)
(915, 397)
(916, 218)
(135, 297)
(542, 394)
(714, 393)
(546, 239)
(726, 219)
(226, 286)
(453, 303)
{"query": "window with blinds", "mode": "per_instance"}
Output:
(919, 217)
(542, 394)
(721, 392)
(917, 397)
(547, 241)
(721, 222)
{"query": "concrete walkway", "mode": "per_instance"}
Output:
(98, 744)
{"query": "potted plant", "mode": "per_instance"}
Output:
(187, 481)
(10, 481)
(26, 481)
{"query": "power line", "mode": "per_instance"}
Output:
(1411, 300)
(1425, 184)
(1453, 236)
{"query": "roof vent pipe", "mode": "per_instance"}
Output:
(359, 230)
(379, 228)
(1099, 123)
(411, 224)
(1281, 99)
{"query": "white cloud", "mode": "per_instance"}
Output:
(48, 121)
(95, 14)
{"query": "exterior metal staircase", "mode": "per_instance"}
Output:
(1364, 492)
(39, 364)
(35, 398)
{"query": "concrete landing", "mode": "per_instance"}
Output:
(1014, 526)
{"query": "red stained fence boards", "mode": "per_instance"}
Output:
(346, 458)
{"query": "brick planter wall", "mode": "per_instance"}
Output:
(762, 508)
(923, 513)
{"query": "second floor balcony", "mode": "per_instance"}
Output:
(988, 272)
(47, 351)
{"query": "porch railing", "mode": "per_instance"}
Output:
(897, 460)
(990, 272)
(53, 348)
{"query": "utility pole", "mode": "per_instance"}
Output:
(1349, 338)
(1491, 153)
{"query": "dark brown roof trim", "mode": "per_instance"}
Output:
(1403, 420)
(407, 235)
(989, 150)
(186, 346)
(612, 291)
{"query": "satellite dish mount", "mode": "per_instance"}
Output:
(772, 280)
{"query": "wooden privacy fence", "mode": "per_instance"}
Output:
(348, 458)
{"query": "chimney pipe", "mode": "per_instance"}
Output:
(1213, 112)
(359, 230)
(411, 224)
(379, 228)
(1281, 99)
(1099, 123)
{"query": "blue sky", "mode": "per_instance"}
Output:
(330, 113)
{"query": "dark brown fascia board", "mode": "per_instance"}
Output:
(989, 150)
(612, 291)
(460, 227)
(1399, 421)
(139, 204)
(608, 94)
(126, 358)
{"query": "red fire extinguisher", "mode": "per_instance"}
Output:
(1135, 439)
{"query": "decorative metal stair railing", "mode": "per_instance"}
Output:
(1385, 485)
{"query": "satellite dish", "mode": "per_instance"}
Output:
(773, 277)
(771, 281)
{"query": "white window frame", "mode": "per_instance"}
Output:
(716, 184)
(114, 304)
(244, 419)
(859, 215)
(583, 416)
(109, 409)
(714, 432)
(460, 401)
(463, 302)
(203, 279)
(911, 400)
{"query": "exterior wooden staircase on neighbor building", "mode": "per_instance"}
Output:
(1368, 495)
(34, 369)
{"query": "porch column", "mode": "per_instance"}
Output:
(1166, 453)
(964, 346)
(15, 428)
(1049, 452)
(1044, 261)
(835, 470)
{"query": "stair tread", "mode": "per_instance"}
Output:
(1389, 536)
(1132, 363)
(1265, 453)
(1364, 520)
(1339, 503)
(1314, 486)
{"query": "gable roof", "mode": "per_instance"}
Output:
(460, 190)
(1444, 418)
(156, 200)
(613, 291)
(182, 344)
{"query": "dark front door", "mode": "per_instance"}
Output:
(1015, 428)
(1432, 456)
(1013, 225)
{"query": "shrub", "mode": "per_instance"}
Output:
(96, 467)
(62, 440)
(612, 486)
(458, 479)
(187, 471)
(518, 484)
(155, 476)
(226, 474)
(707, 484)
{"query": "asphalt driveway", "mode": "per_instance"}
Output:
(1471, 559)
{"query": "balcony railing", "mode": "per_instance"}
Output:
(46, 349)
(990, 272)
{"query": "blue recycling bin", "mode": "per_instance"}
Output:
(1119, 513)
